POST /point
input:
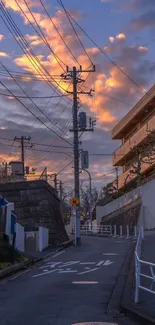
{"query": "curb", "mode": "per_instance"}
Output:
(127, 307)
(114, 305)
(23, 265)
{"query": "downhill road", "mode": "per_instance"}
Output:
(73, 286)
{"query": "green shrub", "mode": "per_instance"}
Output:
(7, 253)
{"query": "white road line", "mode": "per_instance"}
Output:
(87, 263)
(45, 270)
(72, 271)
(40, 274)
(65, 264)
(100, 263)
(107, 263)
(97, 268)
(110, 254)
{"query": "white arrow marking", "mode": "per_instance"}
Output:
(70, 263)
(89, 271)
(100, 263)
(107, 263)
(35, 276)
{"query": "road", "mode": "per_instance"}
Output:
(73, 286)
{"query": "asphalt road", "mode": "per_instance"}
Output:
(74, 286)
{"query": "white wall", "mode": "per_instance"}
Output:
(19, 237)
(43, 238)
(9, 209)
(147, 213)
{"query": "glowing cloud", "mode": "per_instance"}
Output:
(3, 54)
(121, 36)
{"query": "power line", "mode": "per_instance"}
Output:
(65, 167)
(35, 115)
(30, 98)
(106, 55)
(43, 35)
(59, 32)
(35, 97)
(38, 144)
(20, 39)
(68, 16)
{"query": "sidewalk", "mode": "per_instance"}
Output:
(146, 305)
(41, 255)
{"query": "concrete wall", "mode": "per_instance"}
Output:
(19, 237)
(37, 204)
(43, 238)
(147, 213)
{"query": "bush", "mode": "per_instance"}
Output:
(7, 253)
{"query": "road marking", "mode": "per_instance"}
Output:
(110, 254)
(87, 268)
(70, 263)
(84, 282)
(51, 265)
(40, 274)
(45, 270)
(100, 263)
(87, 263)
(107, 263)
(97, 268)
(57, 254)
(72, 271)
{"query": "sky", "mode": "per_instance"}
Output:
(37, 42)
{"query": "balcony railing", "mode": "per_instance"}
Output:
(135, 140)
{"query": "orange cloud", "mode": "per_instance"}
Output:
(4, 54)
(102, 83)
(121, 36)
(111, 39)
(143, 49)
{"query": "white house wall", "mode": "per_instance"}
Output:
(43, 238)
(147, 212)
(20, 237)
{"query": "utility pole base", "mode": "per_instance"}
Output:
(78, 241)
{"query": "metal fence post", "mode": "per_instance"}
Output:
(127, 231)
(135, 231)
(137, 280)
(121, 231)
(115, 230)
(142, 231)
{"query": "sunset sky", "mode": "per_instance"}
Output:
(124, 30)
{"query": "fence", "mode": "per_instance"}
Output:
(138, 265)
(103, 230)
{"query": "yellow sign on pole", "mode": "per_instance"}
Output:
(74, 201)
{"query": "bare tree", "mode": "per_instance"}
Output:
(87, 201)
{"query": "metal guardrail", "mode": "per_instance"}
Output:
(113, 231)
(138, 264)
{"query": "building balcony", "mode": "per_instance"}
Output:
(141, 135)
(127, 177)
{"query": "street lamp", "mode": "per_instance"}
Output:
(90, 196)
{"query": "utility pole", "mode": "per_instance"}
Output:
(73, 75)
(60, 189)
(55, 181)
(22, 140)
